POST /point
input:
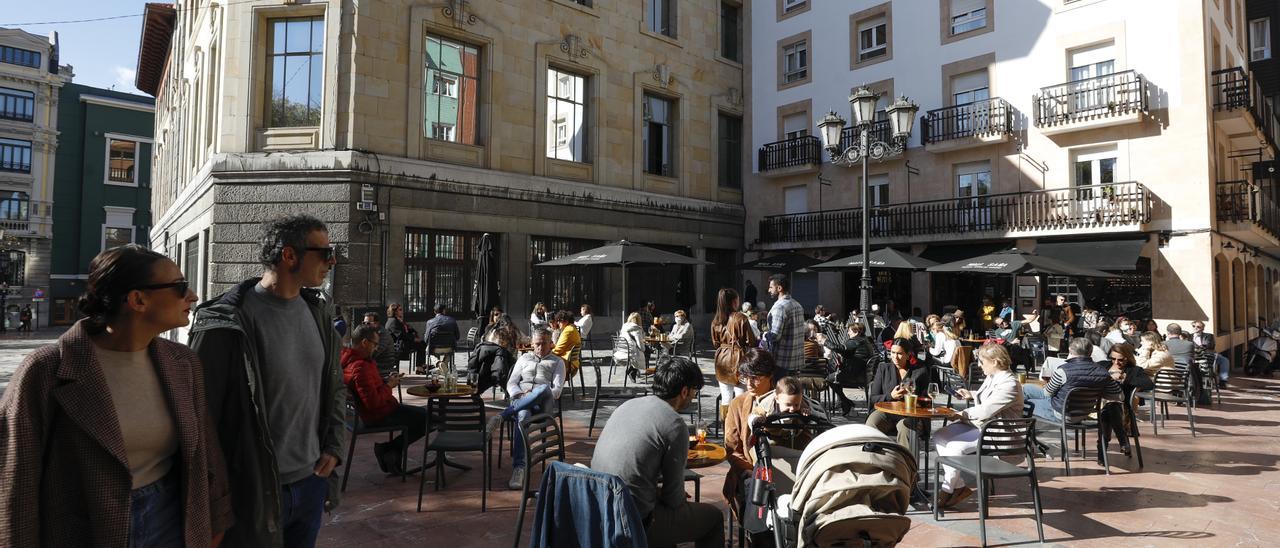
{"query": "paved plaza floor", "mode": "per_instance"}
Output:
(1218, 488)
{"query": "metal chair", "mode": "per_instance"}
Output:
(575, 354)
(999, 437)
(461, 427)
(1171, 386)
(617, 394)
(543, 441)
(620, 347)
(357, 427)
(1076, 408)
(952, 382)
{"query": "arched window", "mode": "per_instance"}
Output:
(13, 267)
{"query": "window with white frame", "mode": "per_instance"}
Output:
(788, 5)
(878, 187)
(967, 15)
(795, 62)
(662, 17)
(442, 131)
(970, 87)
(1094, 170)
(659, 135)
(873, 38)
(121, 159)
(795, 199)
(443, 84)
(115, 236)
(973, 179)
(795, 125)
(566, 116)
(1260, 39)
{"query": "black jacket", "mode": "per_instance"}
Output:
(232, 373)
(886, 380)
(492, 364)
(855, 354)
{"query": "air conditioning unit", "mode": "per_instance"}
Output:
(366, 206)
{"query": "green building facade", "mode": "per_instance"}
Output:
(102, 189)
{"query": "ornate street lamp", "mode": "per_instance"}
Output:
(862, 103)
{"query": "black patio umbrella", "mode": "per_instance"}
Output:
(623, 254)
(485, 293)
(1015, 261)
(785, 262)
(881, 258)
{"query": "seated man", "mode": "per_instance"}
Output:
(681, 333)
(1079, 371)
(385, 355)
(442, 330)
(535, 383)
(646, 444)
(375, 402)
(1206, 343)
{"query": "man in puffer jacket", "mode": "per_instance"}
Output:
(375, 402)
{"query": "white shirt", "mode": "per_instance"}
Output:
(679, 331)
(536, 321)
(584, 325)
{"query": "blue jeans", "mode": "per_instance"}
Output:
(1224, 366)
(155, 513)
(535, 400)
(1043, 404)
(302, 510)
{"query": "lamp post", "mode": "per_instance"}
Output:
(902, 115)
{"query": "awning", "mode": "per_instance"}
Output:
(1099, 255)
(957, 252)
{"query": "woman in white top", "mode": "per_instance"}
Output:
(999, 397)
(753, 319)
(945, 344)
(633, 335)
(538, 319)
(584, 323)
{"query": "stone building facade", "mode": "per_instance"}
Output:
(30, 79)
(412, 128)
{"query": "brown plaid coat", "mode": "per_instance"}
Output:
(64, 477)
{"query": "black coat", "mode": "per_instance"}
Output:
(886, 380)
(855, 354)
(492, 364)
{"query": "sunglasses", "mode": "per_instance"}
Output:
(326, 253)
(181, 287)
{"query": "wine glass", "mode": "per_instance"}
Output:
(933, 393)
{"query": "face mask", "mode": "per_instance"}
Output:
(1128, 329)
(680, 321)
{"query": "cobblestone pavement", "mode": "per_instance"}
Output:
(14, 347)
(1217, 488)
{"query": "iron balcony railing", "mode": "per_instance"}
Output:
(1095, 98)
(797, 151)
(984, 118)
(1234, 88)
(1245, 202)
(880, 131)
(1093, 206)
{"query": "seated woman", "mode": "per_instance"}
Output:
(812, 348)
(855, 353)
(375, 402)
(633, 335)
(756, 371)
(1153, 355)
(889, 384)
(491, 361)
(945, 343)
(1125, 369)
(999, 397)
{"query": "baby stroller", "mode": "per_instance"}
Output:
(852, 486)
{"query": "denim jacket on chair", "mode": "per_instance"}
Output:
(578, 506)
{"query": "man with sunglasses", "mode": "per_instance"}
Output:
(275, 387)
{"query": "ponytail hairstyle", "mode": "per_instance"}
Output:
(112, 275)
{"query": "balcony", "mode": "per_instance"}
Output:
(790, 156)
(1103, 101)
(1241, 110)
(25, 218)
(1108, 208)
(1248, 212)
(967, 126)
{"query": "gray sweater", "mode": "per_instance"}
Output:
(293, 357)
(645, 443)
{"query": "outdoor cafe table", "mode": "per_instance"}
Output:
(926, 413)
(462, 391)
(661, 344)
(706, 454)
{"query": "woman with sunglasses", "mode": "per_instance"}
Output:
(106, 439)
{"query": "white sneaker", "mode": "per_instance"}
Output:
(517, 479)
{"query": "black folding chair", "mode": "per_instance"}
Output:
(615, 394)
(461, 427)
(543, 441)
(357, 427)
(1172, 385)
(999, 437)
(1078, 405)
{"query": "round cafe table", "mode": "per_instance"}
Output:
(706, 454)
(926, 412)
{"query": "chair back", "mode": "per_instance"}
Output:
(1171, 380)
(543, 440)
(950, 379)
(354, 422)
(1001, 437)
(575, 354)
(458, 414)
(1080, 403)
(472, 335)
(621, 346)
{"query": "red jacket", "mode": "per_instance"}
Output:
(373, 397)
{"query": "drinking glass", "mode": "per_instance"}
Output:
(933, 393)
